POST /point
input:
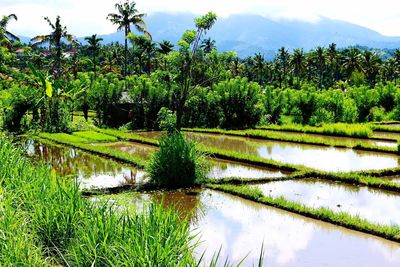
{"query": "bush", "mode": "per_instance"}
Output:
(177, 163)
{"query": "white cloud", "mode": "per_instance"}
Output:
(84, 17)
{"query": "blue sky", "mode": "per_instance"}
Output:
(85, 17)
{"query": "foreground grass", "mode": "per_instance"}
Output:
(324, 214)
(301, 139)
(338, 129)
(45, 221)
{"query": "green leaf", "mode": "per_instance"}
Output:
(49, 89)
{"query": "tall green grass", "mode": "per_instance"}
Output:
(177, 162)
(44, 219)
(338, 129)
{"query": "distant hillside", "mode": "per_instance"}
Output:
(248, 34)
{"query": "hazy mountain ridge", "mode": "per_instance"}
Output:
(248, 34)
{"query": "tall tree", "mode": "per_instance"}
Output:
(94, 47)
(165, 47)
(319, 59)
(208, 45)
(298, 65)
(332, 55)
(282, 63)
(128, 15)
(259, 67)
(188, 56)
(55, 38)
(5, 35)
(351, 61)
(370, 64)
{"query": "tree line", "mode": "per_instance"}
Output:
(44, 82)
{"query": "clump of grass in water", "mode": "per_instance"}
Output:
(177, 163)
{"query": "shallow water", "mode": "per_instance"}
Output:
(318, 157)
(223, 169)
(138, 149)
(348, 140)
(383, 134)
(90, 171)
(219, 169)
(241, 227)
(374, 205)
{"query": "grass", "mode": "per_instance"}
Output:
(324, 214)
(385, 128)
(177, 162)
(259, 134)
(94, 136)
(128, 136)
(337, 129)
(46, 221)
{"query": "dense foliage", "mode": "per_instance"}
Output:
(43, 84)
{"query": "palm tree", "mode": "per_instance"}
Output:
(208, 45)
(94, 47)
(282, 64)
(319, 59)
(127, 15)
(165, 47)
(332, 55)
(298, 64)
(259, 67)
(6, 36)
(389, 70)
(370, 64)
(352, 61)
(58, 33)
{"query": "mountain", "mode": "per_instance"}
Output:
(249, 34)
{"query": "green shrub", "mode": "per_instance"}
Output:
(177, 163)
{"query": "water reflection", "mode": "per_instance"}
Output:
(383, 134)
(321, 158)
(140, 150)
(374, 205)
(91, 171)
(223, 169)
(347, 140)
(241, 227)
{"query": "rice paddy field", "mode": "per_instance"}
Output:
(292, 202)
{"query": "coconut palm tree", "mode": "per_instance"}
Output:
(5, 35)
(128, 15)
(319, 60)
(165, 47)
(55, 38)
(332, 55)
(94, 47)
(208, 45)
(370, 63)
(352, 61)
(259, 67)
(282, 64)
(298, 65)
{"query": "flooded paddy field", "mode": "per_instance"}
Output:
(219, 169)
(90, 171)
(349, 140)
(317, 157)
(384, 134)
(376, 206)
(239, 227)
